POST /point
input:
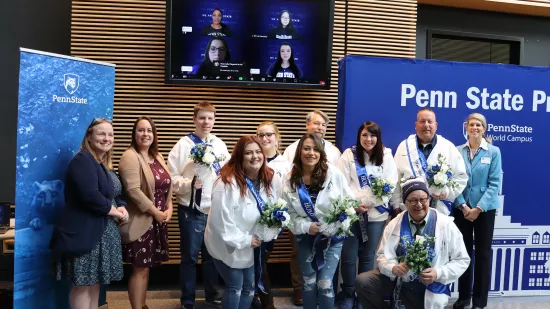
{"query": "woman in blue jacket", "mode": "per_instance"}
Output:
(86, 241)
(477, 204)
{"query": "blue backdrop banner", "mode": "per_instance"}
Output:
(516, 102)
(58, 98)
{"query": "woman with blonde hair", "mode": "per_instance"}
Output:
(85, 240)
(477, 204)
(270, 139)
(149, 189)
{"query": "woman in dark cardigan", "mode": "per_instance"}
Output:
(86, 241)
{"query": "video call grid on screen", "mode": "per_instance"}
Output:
(247, 46)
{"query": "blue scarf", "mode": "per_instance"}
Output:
(429, 230)
(258, 252)
(318, 242)
(424, 164)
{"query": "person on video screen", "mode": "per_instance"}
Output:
(285, 30)
(216, 51)
(217, 28)
(284, 67)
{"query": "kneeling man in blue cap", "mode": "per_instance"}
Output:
(430, 288)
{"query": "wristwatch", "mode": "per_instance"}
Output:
(461, 206)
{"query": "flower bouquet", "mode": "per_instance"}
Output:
(440, 177)
(274, 218)
(203, 155)
(418, 253)
(339, 220)
(381, 189)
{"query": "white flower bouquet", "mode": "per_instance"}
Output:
(274, 218)
(440, 177)
(339, 220)
(381, 189)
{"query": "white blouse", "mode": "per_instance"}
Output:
(388, 171)
(228, 233)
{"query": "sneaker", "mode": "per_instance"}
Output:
(297, 298)
(214, 303)
(347, 303)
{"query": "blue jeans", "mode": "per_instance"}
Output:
(239, 286)
(354, 248)
(317, 288)
(192, 224)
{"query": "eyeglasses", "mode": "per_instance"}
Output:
(422, 201)
(219, 49)
(97, 121)
(268, 135)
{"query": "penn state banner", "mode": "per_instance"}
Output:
(516, 102)
(58, 98)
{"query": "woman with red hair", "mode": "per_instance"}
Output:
(239, 194)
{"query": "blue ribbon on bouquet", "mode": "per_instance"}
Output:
(424, 164)
(429, 230)
(258, 252)
(320, 242)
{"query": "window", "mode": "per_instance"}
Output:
(533, 256)
(531, 281)
(539, 281)
(532, 269)
(546, 238)
(468, 47)
(541, 256)
(536, 238)
(540, 269)
(547, 282)
(547, 255)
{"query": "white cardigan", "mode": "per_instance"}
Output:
(335, 187)
(228, 233)
(443, 146)
(280, 165)
(387, 171)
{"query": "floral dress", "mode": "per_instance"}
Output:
(104, 263)
(152, 247)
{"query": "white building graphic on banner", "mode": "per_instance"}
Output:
(520, 262)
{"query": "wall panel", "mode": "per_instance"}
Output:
(130, 34)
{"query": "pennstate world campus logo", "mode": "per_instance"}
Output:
(464, 132)
(71, 82)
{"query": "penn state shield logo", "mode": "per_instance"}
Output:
(71, 82)
(464, 132)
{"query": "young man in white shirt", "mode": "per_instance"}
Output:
(193, 198)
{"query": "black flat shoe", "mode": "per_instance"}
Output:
(476, 307)
(461, 304)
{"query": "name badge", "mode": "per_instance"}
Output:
(485, 160)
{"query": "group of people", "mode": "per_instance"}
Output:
(110, 217)
(217, 49)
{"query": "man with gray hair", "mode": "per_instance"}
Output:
(316, 123)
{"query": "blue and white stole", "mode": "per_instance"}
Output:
(424, 166)
(258, 252)
(363, 178)
(320, 241)
(429, 230)
(197, 140)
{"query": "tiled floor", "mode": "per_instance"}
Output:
(170, 300)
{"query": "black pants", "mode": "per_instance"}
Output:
(372, 287)
(483, 228)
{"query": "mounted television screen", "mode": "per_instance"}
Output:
(275, 43)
